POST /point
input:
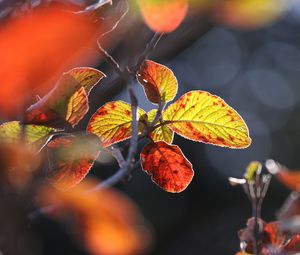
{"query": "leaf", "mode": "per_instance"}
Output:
(57, 40)
(167, 165)
(11, 132)
(291, 179)
(70, 159)
(112, 122)
(19, 161)
(203, 117)
(293, 244)
(163, 16)
(159, 82)
(162, 133)
(67, 102)
(106, 221)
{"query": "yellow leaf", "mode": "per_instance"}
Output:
(11, 132)
(203, 117)
(162, 133)
(112, 122)
(159, 82)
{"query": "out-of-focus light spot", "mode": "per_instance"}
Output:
(271, 89)
(212, 61)
(233, 162)
(250, 14)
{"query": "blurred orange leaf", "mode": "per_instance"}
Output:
(67, 101)
(18, 162)
(291, 179)
(159, 82)
(167, 165)
(163, 16)
(107, 221)
(112, 122)
(36, 47)
(162, 133)
(203, 117)
(70, 159)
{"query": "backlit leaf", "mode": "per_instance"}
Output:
(67, 102)
(291, 179)
(203, 117)
(71, 158)
(106, 221)
(112, 122)
(163, 16)
(163, 133)
(167, 166)
(12, 132)
(159, 82)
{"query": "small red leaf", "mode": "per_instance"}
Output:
(167, 165)
(293, 244)
(70, 159)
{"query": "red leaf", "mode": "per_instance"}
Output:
(70, 159)
(293, 244)
(167, 165)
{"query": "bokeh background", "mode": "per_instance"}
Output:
(255, 68)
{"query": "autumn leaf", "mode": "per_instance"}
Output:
(159, 82)
(112, 122)
(203, 117)
(162, 133)
(167, 165)
(13, 132)
(70, 159)
(163, 16)
(105, 221)
(57, 40)
(67, 102)
(289, 178)
(293, 244)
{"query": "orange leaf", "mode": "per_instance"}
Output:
(37, 47)
(112, 122)
(203, 117)
(106, 221)
(163, 16)
(167, 165)
(67, 102)
(291, 179)
(70, 159)
(159, 82)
